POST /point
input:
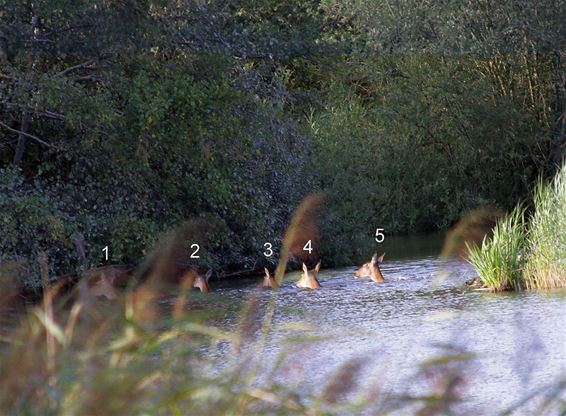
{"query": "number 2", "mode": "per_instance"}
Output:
(197, 248)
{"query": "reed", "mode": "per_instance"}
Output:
(499, 259)
(546, 265)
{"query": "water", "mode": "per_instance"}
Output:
(517, 339)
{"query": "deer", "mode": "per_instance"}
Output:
(201, 282)
(371, 269)
(103, 281)
(308, 279)
(269, 281)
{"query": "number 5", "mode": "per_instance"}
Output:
(379, 236)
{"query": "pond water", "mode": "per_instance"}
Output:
(517, 340)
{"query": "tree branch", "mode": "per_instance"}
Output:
(74, 68)
(29, 136)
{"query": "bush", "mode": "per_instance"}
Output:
(32, 222)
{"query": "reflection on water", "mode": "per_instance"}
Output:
(518, 339)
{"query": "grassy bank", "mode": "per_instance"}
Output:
(527, 254)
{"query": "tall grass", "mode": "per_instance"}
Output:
(546, 265)
(527, 254)
(499, 260)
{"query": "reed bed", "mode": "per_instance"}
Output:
(499, 259)
(527, 254)
(546, 265)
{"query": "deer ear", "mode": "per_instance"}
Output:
(266, 272)
(380, 258)
(305, 269)
(208, 274)
(317, 268)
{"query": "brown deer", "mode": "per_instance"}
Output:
(269, 281)
(103, 281)
(201, 282)
(308, 279)
(371, 269)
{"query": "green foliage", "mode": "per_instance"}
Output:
(406, 114)
(32, 222)
(410, 143)
(500, 259)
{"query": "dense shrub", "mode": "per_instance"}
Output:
(128, 119)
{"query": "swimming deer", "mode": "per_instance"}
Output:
(269, 281)
(201, 282)
(308, 279)
(371, 269)
(103, 281)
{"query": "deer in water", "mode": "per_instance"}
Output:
(371, 269)
(201, 282)
(269, 281)
(308, 279)
(103, 281)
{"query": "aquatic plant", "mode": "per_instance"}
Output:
(499, 259)
(546, 265)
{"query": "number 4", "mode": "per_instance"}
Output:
(308, 247)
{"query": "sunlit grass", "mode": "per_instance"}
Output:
(499, 259)
(546, 265)
(527, 254)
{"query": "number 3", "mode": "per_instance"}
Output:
(269, 251)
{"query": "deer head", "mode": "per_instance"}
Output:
(309, 278)
(269, 281)
(201, 282)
